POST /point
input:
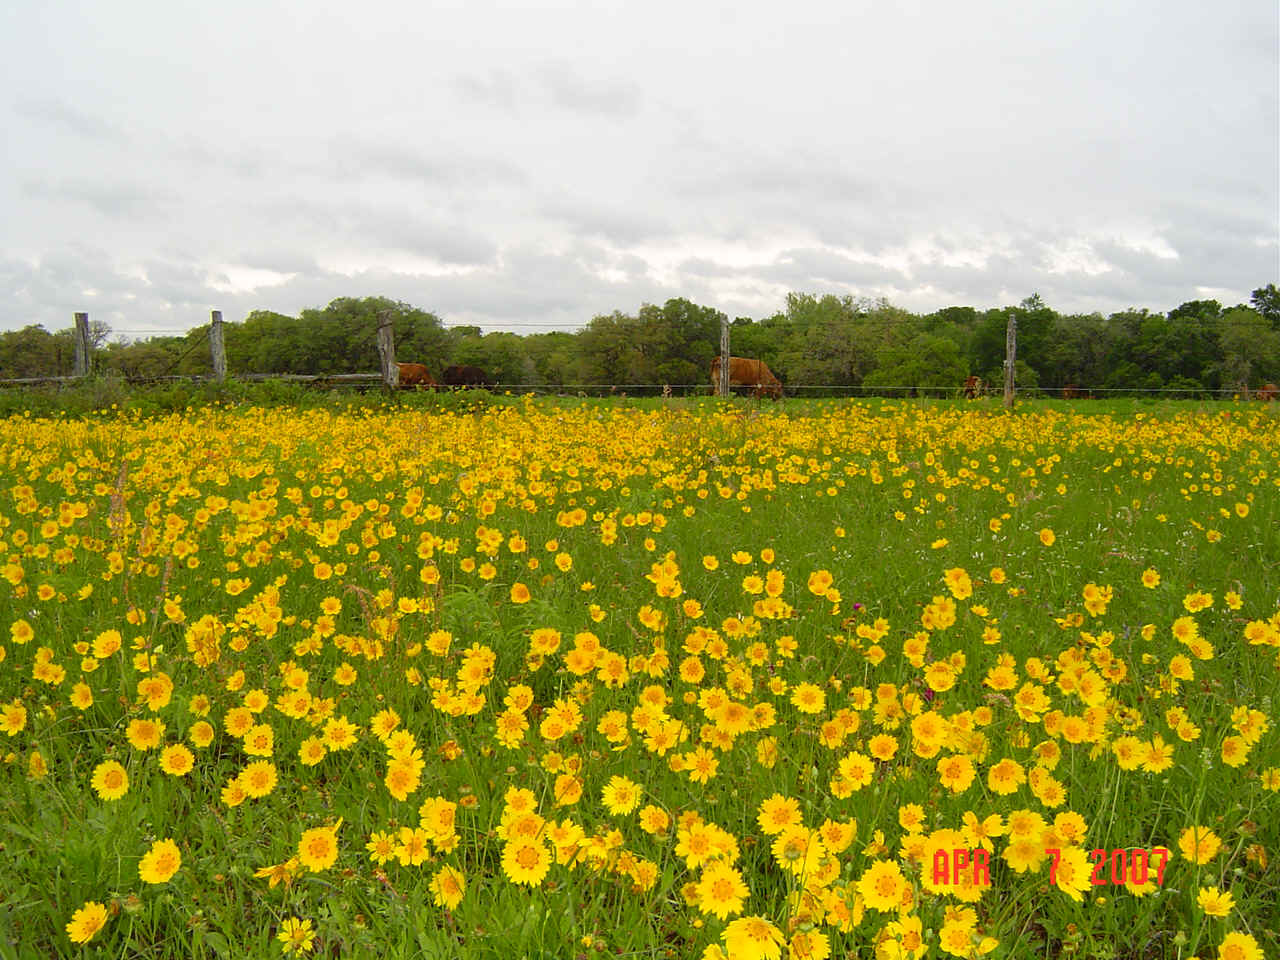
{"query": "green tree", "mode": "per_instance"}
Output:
(265, 342)
(504, 358)
(150, 357)
(927, 361)
(671, 344)
(343, 337)
(957, 323)
(764, 339)
(608, 351)
(35, 352)
(1077, 353)
(1250, 350)
(677, 341)
(987, 345)
(1037, 326)
(465, 345)
(960, 316)
(1126, 375)
(1266, 300)
(820, 348)
(883, 326)
(339, 338)
(1205, 311)
(554, 357)
(1182, 347)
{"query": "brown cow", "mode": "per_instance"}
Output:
(416, 375)
(972, 388)
(1268, 392)
(745, 372)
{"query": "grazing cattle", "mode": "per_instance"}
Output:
(1070, 392)
(416, 375)
(745, 372)
(972, 388)
(465, 376)
(1268, 392)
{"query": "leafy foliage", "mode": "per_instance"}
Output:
(816, 343)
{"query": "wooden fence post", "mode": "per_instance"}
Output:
(1010, 359)
(722, 388)
(81, 340)
(387, 351)
(217, 348)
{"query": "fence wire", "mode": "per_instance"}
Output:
(811, 390)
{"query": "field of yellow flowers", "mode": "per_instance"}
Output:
(687, 679)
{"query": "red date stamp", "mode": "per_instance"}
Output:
(951, 866)
(1136, 866)
(1120, 866)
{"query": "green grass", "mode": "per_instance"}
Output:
(823, 484)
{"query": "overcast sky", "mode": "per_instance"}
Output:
(527, 166)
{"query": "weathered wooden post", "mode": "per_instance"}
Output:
(1010, 358)
(387, 351)
(217, 348)
(81, 340)
(722, 388)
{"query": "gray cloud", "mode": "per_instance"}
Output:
(611, 220)
(530, 283)
(277, 261)
(382, 226)
(531, 289)
(497, 88)
(573, 90)
(558, 83)
(799, 269)
(119, 200)
(156, 297)
(243, 160)
(443, 166)
(1221, 250)
(802, 268)
(61, 115)
(541, 165)
(704, 267)
(754, 191)
(180, 284)
(419, 233)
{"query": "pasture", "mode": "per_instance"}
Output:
(701, 678)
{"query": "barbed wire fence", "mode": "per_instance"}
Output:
(211, 334)
(374, 379)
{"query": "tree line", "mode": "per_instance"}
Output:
(817, 341)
